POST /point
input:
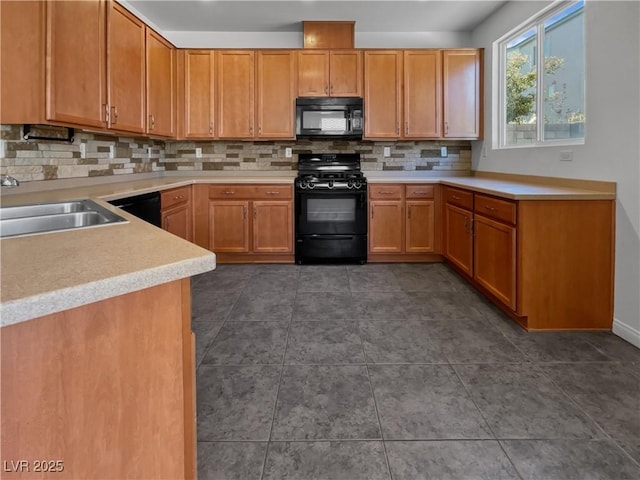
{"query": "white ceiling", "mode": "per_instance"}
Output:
(287, 15)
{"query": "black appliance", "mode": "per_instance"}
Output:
(329, 117)
(145, 207)
(331, 209)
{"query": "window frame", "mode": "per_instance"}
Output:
(499, 79)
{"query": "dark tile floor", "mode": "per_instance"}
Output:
(400, 371)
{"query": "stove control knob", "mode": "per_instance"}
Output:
(330, 185)
(357, 184)
(350, 183)
(310, 185)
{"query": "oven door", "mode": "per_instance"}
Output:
(331, 212)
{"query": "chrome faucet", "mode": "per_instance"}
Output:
(7, 181)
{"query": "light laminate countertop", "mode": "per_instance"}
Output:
(52, 272)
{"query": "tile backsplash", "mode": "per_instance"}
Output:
(97, 154)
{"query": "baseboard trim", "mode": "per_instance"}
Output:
(626, 332)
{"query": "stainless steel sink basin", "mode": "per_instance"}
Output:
(51, 217)
(44, 209)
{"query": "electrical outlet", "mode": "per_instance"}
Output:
(288, 152)
(566, 156)
(443, 151)
(148, 152)
(83, 150)
(387, 151)
(198, 152)
(112, 151)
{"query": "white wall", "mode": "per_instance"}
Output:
(295, 39)
(612, 148)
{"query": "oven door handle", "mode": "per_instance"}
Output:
(315, 236)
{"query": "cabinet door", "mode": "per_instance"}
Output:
(125, 70)
(229, 226)
(76, 62)
(495, 258)
(272, 226)
(382, 93)
(313, 73)
(178, 221)
(420, 226)
(458, 247)
(276, 94)
(235, 79)
(462, 95)
(422, 94)
(161, 86)
(22, 54)
(199, 93)
(385, 226)
(345, 73)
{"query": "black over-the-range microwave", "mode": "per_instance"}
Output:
(329, 117)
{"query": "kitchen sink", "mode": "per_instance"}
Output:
(52, 217)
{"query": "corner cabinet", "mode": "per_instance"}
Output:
(176, 212)
(462, 93)
(541, 261)
(402, 223)
(125, 70)
(76, 90)
(161, 86)
(245, 223)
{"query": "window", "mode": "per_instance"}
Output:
(541, 79)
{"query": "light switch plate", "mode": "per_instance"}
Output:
(443, 151)
(387, 151)
(287, 152)
(112, 151)
(198, 152)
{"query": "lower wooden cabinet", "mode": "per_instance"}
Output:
(176, 212)
(547, 263)
(245, 223)
(402, 222)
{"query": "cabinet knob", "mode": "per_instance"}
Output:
(446, 127)
(407, 129)
(384, 192)
(114, 115)
(105, 108)
(210, 128)
(228, 192)
(491, 209)
(273, 192)
(455, 197)
(152, 122)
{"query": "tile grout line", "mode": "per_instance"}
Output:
(282, 367)
(375, 404)
(495, 437)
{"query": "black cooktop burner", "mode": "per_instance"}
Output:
(332, 171)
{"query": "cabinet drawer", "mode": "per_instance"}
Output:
(385, 192)
(502, 210)
(419, 191)
(175, 196)
(250, 191)
(461, 198)
(273, 191)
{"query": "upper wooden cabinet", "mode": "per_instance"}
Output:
(125, 70)
(382, 93)
(462, 93)
(422, 94)
(22, 54)
(235, 91)
(198, 93)
(75, 63)
(336, 73)
(161, 86)
(276, 94)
